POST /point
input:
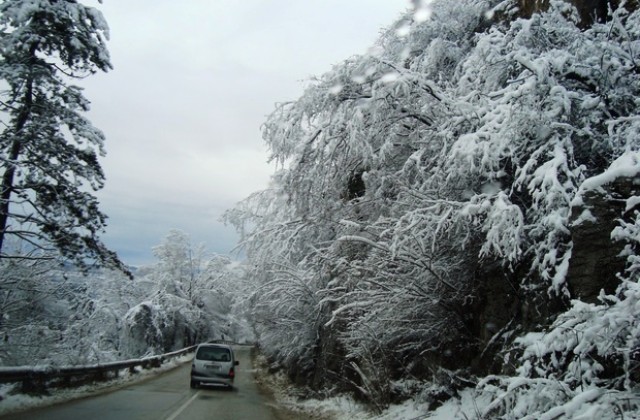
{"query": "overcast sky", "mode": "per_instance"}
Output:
(192, 83)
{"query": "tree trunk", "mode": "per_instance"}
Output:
(6, 189)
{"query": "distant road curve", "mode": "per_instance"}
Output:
(168, 397)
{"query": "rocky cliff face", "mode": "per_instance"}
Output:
(595, 258)
(589, 10)
(504, 306)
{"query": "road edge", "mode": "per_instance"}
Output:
(278, 390)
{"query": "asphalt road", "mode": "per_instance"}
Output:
(168, 397)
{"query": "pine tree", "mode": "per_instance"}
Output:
(48, 149)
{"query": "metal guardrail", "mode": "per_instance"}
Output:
(38, 379)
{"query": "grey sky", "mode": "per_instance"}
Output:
(193, 82)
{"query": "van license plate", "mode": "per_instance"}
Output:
(213, 367)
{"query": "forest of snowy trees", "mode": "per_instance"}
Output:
(459, 208)
(57, 316)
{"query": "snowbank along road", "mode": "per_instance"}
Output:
(169, 397)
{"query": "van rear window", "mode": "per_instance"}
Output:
(215, 354)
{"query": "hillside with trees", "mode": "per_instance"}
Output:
(459, 208)
(58, 316)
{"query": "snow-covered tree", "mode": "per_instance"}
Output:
(25, 290)
(60, 316)
(189, 296)
(181, 265)
(48, 149)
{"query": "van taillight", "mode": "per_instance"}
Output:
(232, 373)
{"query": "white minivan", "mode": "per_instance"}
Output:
(213, 364)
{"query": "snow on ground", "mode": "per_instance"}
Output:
(11, 403)
(469, 405)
